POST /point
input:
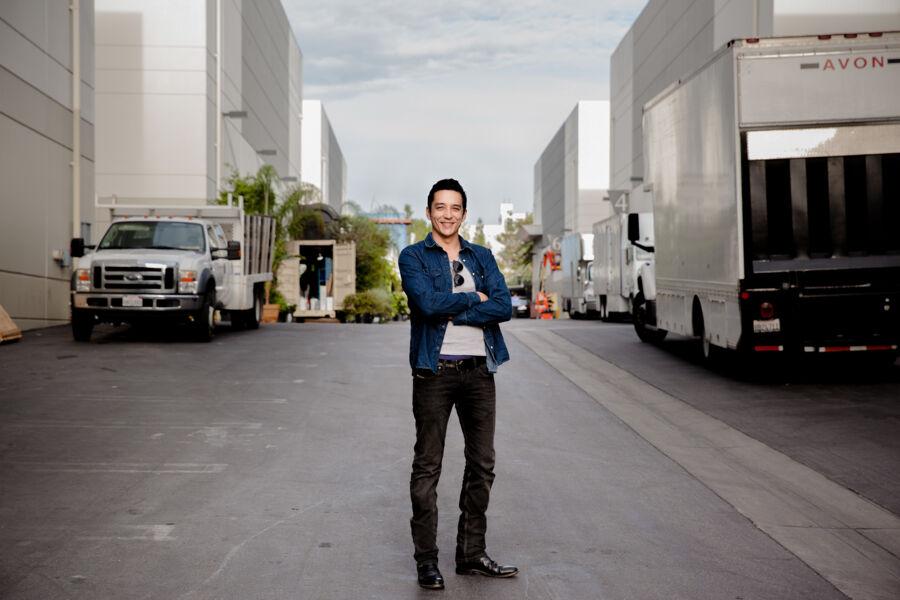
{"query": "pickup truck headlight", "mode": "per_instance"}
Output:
(187, 282)
(82, 280)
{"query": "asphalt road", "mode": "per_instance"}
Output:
(836, 414)
(275, 464)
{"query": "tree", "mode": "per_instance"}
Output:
(419, 228)
(479, 238)
(514, 259)
(258, 190)
(386, 209)
(373, 270)
(351, 208)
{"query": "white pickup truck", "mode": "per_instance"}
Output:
(173, 263)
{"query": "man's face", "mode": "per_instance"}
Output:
(446, 213)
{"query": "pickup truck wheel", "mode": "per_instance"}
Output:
(204, 319)
(650, 336)
(82, 325)
(253, 316)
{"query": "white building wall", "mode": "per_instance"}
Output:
(323, 161)
(804, 17)
(36, 125)
(572, 175)
(157, 71)
(672, 38)
(311, 136)
(296, 112)
(592, 165)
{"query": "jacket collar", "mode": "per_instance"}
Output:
(430, 243)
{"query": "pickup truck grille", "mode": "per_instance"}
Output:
(138, 278)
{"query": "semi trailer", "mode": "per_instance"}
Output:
(775, 176)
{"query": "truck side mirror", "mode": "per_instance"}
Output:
(76, 247)
(634, 227)
(234, 250)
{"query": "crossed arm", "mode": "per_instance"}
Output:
(498, 306)
(492, 305)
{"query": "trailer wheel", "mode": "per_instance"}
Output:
(82, 325)
(711, 353)
(650, 336)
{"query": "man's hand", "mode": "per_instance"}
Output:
(483, 297)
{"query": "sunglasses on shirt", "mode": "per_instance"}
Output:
(458, 279)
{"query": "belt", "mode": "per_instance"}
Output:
(462, 364)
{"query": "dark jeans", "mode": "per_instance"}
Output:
(434, 395)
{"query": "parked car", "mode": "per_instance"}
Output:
(520, 304)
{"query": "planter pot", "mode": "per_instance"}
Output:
(270, 313)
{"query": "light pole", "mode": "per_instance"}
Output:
(76, 119)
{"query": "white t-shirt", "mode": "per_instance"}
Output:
(463, 340)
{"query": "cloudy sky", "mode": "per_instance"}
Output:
(417, 91)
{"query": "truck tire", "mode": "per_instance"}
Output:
(711, 353)
(649, 336)
(252, 317)
(82, 325)
(204, 319)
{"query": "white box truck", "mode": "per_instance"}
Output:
(619, 264)
(572, 282)
(775, 175)
(167, 263)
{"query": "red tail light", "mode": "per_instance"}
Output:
(766, 310)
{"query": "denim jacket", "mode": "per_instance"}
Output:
(425, 270)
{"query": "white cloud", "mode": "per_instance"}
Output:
(422, 90)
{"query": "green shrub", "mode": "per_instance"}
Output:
(365, 305)
(400, 304)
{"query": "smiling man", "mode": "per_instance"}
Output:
(457, 297)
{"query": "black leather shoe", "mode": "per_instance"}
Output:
(430, 577)
(485, 566)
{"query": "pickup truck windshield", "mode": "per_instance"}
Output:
(154, 235)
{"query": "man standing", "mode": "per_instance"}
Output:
(457, 298)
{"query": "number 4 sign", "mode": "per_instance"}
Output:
(619, 201)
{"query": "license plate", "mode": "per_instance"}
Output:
(132, 301)
(768, 326)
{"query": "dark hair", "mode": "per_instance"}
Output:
(447, 184)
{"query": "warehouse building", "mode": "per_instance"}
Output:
(672, 38)
(39, 110)
(572, 175)
(323, 164)
(571, 180)
(187, 95)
